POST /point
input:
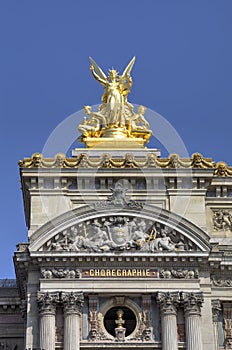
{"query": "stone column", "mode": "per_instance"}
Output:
(47, 309)
(168, 303)
(192, 303)
(216, 307)
(72, 303)
(23, 309)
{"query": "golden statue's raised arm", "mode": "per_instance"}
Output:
(97, 72)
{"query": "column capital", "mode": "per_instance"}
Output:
(168, 302)
(192, 302)
(72, 302)
(47, 302)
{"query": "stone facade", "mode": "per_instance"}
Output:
(137, 255)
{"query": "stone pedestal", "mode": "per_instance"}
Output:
(168, 302)
(192, 303)
(72, 310)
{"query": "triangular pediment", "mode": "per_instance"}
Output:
(145, 229)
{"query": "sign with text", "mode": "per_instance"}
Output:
(104, 273)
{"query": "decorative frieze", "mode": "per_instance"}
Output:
(179, 273)
(60, 273)
(221, 282)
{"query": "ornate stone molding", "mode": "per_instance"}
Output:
(180, 274)
(216, 308)
(23, 308)
(222, 169)
(47, 302)
(93, 317)
(168, 302)
(146, 318)
(60, 273)
(83, 160)
(72, 302)
(139, 333)
(192, 302)
(221, 282)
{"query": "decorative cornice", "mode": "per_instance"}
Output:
(107, 161)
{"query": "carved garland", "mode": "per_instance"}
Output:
(107, 161)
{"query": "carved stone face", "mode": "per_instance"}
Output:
(37, 157)
(59, 159)
(221, 168)
(174, 159)
(197, 158)
(93, 334)
(120, 334)
(147, 334)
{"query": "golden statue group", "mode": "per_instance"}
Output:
(115, 118)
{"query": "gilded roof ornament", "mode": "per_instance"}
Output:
(129, 161)
(115, 118)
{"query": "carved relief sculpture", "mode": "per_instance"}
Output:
(222, 219)
(93, 318)
(116, 233)
(60, 273)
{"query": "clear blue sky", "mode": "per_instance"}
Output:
(183, 71)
